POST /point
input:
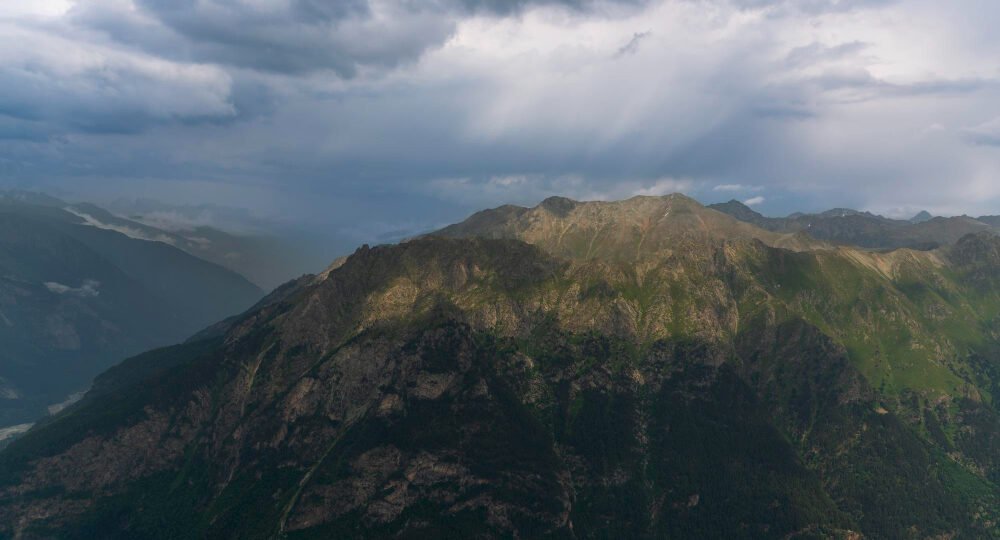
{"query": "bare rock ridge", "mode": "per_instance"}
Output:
(629, 369)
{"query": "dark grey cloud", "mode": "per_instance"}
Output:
(812, 7)
(54, 84)
(509, 7)
(301, 36)
(374, 117)
(633, 44)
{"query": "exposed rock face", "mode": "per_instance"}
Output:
(597, 381)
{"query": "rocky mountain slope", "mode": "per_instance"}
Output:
(643, 368)
(75, 299)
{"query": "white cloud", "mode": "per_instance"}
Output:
(70, 399)
(664, 186)
(508, 181)
(131, 232)
(530, 189)
(88, 289)
(34, 8)
(754, 201)
(201, 242)
(736, 187)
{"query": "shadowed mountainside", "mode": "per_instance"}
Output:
(74, 299)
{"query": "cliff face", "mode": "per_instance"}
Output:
(694, 383)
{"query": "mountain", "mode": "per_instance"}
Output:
(75, 299)
(631, 369)
(921, 217)
(942, 231)
(16, 196)
(992, 221)
(864, 229)
(267, 260)
(743, 212)
(621, 229)
(847, 212)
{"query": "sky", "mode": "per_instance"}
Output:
(379, 118)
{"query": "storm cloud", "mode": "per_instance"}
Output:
(367, 116)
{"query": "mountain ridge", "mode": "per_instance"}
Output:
(571, 370)
(864, 229)
(601, 228)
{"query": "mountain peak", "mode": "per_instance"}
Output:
(738, 210)
(921, 217)
(634, 228)
(560, 206)
(676, 196)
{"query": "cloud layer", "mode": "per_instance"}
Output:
(369, 116)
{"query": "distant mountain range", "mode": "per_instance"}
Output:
(263, 257)
(649, 368)
(864, 229)
(80, 290)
